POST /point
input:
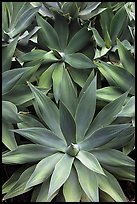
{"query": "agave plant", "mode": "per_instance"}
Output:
(83, 149)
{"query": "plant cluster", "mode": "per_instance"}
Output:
(68, 99)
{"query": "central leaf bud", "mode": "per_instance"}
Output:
(73, 149)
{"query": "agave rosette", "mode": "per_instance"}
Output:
(75, 152)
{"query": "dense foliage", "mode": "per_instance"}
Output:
(68, 100)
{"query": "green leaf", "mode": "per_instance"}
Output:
(28, 120)
(25, 154)
(19, 187)
(118, 76)
(7, 54)
(67, 84)
(88, 181)
(60, 174)
(16, 76)
(9, 112)
(67, 124)
(45, 80)
(126, 58)
(72, 193)
(110, 185)
(47, 166)
(43, 193)
(118, 142)
(7, 136)
(107, 114)
(50, 37)
(100, 42)
(129, 147)
(79, 60)
(87, 103)
(57, 76)
(109, 93)
(102, 136)
(117, 23)
(36, 54)
(129, 109)
(42, 136)
(47, 111)
(62, 29)
(90, 161)
(113, 157)
(90, 14)
(125, 173)
(24, 21)
(12, 180)
(78, 41)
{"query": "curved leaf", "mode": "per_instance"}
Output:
(90, 161)
(107, 114)
(47, 111)
(46, 165)
(111, 186)
(42, 136)
(113, 157)
(50, 36)
(57, 76)
(8, 137)
(88, 181)
(102, 136)
(25, 154)
(72, 193)
(60, 174)
(87, 103)
(79, 60)
(129, 109)
(19, 187)
(78, 41)
(126, 58)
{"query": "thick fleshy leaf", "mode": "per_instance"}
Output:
(111, 186)
(100, 42)
(117, 23)
(109, 93)
(102, 136)
(42, 136)
(67, 124)
(60, 174)
(118, 76)
(43, 193)
(62, 29)
(7, 54)
(113, 157)
(67, 84)
(12, 180)
(79, 60)
(47, 110)
(90, 161)
(45, 80)
(50, 37)
(87, 103)
(118, 142)
(47, 166)
(57, 76)
(19, 187)
(124, 173)
(8, 138)
(129, 109)
(126, 58)
(88, 181)
(25, 154)
(129, 147)
(9, 112)
(15, 76)
(36, 54)
(78, 41)
(28, 120)
(72, 193)
(84, 197)
(107, 114)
